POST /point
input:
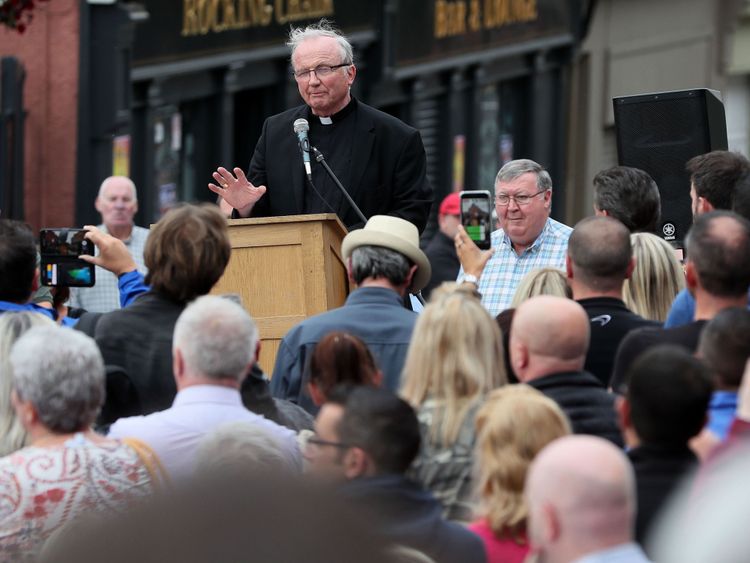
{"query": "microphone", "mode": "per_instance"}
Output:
(301, 127)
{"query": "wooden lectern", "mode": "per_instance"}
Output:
(285, 269)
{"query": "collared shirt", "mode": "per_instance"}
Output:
(505, 269)
(623, 553)
(174, 434)
(105, 296)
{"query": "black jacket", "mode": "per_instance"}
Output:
(388, 171)
(441, 253)
(658, 471)
(410, 516)
(584, 400)
(610, 322)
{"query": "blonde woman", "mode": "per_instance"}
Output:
(512, 426)
(455, 359)
(656, 280)
(544, 281)
(12, 325)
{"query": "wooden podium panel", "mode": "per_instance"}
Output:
(285, 269)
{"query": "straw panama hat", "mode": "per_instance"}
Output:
(396, 234)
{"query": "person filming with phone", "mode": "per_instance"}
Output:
(528, 239)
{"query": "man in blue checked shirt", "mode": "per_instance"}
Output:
(528, 239)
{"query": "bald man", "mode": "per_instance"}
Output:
(582, 511)
(549, 339)
(117, 203)
(600, 259)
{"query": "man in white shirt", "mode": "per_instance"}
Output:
(117, 203)
(215, 344)
(581, 496)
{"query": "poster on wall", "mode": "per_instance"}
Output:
(121, 156)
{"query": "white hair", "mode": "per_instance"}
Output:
(323, 28)
(216, 337)
(244, 447)
(12, 327)
(61, 372)
(124, 179)
(515, 168)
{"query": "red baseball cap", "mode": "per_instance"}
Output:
(451, 205)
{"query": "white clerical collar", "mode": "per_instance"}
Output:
(325, 120)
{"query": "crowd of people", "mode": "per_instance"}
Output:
(547, 404)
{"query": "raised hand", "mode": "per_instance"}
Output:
(469, 254)
(236, 189)
(113, 254)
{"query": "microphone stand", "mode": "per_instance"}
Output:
(321, 159)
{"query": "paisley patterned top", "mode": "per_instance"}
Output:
(44, 488)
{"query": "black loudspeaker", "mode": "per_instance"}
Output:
(659, 133)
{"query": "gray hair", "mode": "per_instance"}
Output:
(297, 35)
(516, 168)
(108, 181)
(12, 326)
(245, 447)
(61, 373)
(217, 338)
(379, 262)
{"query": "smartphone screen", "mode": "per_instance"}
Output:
(59, 252)
(476, 216)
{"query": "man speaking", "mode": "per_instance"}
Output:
(380, 160)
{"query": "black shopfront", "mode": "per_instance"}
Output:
(172, 89)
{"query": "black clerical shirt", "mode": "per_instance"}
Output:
(335, 140)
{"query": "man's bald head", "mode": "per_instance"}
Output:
(600, 253)
(549, 334)
(579, 507)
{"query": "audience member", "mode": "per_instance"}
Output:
(340, 358)
(549, 341)
(12, 326)
(19, 272)
(714, 178)
(718, 275)
(665, 406)
(629, 195)
(384, 261)
(724, 347)
(138, 338)
(117, 203)
(256, 396)
(242, 447)
(215, 344)
(247, 517)
(544, 281)
(581, 496)
(528, 239)
(599, 261)
(441, 250)
(512, 426)
(367, 439)
(656, 279)
(454, 361)
(58, 380)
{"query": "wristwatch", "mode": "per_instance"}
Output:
(471, 278)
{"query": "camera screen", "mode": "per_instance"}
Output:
(68, 274)
(476, 214)
(64, 242)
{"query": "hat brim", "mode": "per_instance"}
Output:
(370, 237)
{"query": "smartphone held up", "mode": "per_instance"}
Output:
(476, 216)
(60, 263)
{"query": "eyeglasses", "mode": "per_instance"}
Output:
(523, 199)
(313, 440)
(320, 71)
